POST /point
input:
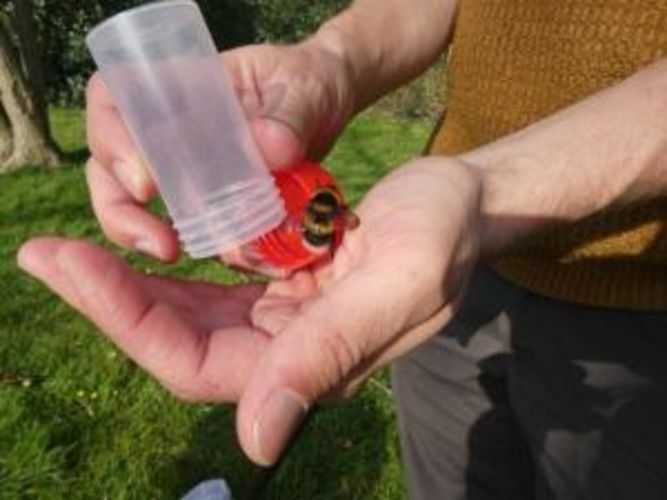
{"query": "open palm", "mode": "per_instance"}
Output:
(278, 349)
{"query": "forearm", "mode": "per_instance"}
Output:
(609, 150)
(387, 42)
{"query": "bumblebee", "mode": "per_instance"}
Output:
(322, 216)
(316, 222)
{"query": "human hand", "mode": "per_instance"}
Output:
(393, 284)
(297, 100)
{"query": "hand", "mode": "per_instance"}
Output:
(297, 100)
(395, 281)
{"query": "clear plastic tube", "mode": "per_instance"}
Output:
(160, 64)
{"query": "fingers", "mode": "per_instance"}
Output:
(120, 303)
(114, 297)
(334, 335)
(119, 181)
(206, 305)
(111, 144)
(37, 258)
(282, 301)
(124, 221)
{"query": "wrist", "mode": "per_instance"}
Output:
(363, 62)
(328, 57)
(332, 44)
(604, 152)
(497, 230)
(504, 219)
(376, 63)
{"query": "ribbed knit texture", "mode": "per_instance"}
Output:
(516, 61)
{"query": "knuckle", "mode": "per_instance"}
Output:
(110, 228)
(108, 214)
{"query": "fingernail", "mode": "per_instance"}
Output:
(277, 421)
(133, 176)
(147, 247)
(123, 173)
(142, 180)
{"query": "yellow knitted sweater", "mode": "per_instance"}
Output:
(516, 61)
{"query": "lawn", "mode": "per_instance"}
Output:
(79, 421)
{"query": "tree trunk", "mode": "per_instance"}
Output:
(5, 137)
(24, 107)
(31, 55)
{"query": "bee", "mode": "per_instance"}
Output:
(317, 220)
(322, 217)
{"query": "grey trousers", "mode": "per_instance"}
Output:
(523, 397)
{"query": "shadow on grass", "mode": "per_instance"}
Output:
(77, 156)
(340, 454)
(66, 420)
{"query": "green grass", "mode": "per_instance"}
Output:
(79, 421)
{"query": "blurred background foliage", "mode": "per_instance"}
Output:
(67, 65)
(62, 26)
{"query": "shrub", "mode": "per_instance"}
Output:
(63, 26)
(291, 20)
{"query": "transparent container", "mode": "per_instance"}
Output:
(161, 65)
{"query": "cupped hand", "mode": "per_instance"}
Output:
(394, 282)
(297, 100)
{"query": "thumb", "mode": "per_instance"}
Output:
(278, 141)
(336, 335)
(291, 125)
